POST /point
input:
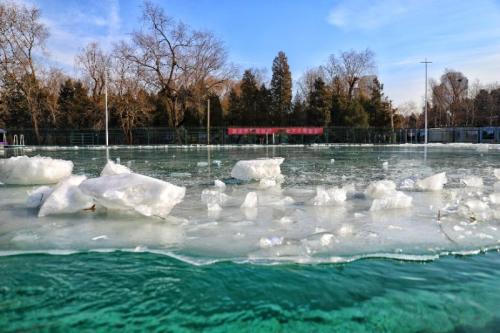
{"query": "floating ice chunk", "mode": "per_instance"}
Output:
(473, 181)
(282, 201)
(211, 197)
(476, 205)
(38, 196)
(250, 213)
(111, 168)
(220, 185)
(180, 174)
(395, 200)
(66, 198)
(495, 198)
(332, 196)
(267, 242)
(350, 190)
(145, 195)
(24, 170)
(326, 239)
(250, 200)
(476, 210)
(332, 161)
(407, 184)
(202, 164)
(267, 183)
(258, 169)
(346, 230)
(213, 207)
(432, 183)
(385, 165)
(285, 220)
(496, 172)
(217, 163)
(380, 189)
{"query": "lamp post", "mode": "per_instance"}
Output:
(426, 62)
(208, 121)
(106, 112)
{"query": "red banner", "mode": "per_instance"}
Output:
(275, 130)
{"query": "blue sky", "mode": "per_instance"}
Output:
(457, 34)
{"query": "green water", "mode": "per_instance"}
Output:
(146, 292)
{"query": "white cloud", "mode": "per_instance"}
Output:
(363, 15)
(73, 29)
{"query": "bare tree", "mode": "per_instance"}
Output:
(94, 63)
(349, 67)
(174, 59)
(306, 81)
(130, 101)
(21, 36)
(52, 81)
(449, 99)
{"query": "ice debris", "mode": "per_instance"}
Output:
(496, 172)
(258, 169)
(112, 168)
(332, 196)
(24, 170)
(38, 196)
(473, 181)
(432, 183)
(66, 197)
(385, 165)
(145, 195)
(250, 200)
(266, 183)
(394, 200)
(220, 185)
(380, 189)
(495, 198)
(212, 198)
(267, 242)
(386, 197)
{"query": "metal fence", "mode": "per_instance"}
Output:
(219, 136)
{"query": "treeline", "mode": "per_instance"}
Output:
(164, 75)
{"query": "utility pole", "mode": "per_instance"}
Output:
(208, 121)
(426, 62)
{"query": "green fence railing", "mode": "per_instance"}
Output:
(219, 136)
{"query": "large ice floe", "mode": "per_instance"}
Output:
(321, 212)
(385, 196)
(432, 183)
(24, 170)
(266, 168)
(117, 189)
(130, 191)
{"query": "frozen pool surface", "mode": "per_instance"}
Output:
(373, 201)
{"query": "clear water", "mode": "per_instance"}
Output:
(203, 271)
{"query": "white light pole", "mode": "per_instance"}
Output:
(106, 112)
(208, 121)
(426, 62)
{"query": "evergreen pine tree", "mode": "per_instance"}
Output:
(318, 111)
(281, 89)
(248, 99)
(234, 108)
(356, 115)
(264, 107)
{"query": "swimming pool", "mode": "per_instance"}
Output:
(290, 263)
